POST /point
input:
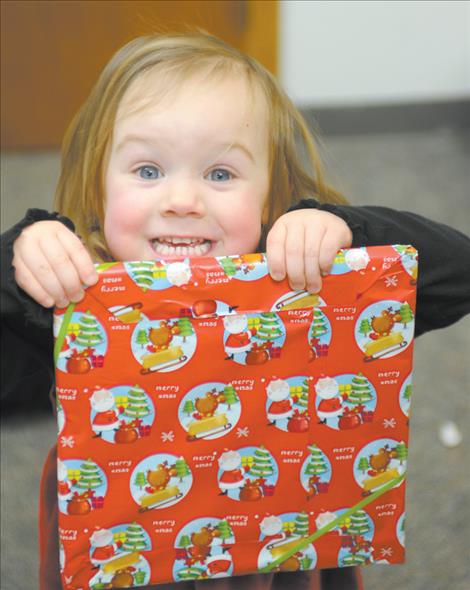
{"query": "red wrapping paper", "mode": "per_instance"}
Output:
(212, 422)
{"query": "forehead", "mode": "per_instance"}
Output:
(227, 98)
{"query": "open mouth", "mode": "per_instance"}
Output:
(177, 246)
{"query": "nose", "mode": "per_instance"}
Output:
(183, 198)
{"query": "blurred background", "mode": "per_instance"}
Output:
(386, 85)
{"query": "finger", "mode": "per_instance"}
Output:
(295, 264)
(275, 250)
(63, 268)
(40, 267)
(25, 279)
(80, 257)
(328, 251)
(313, 244)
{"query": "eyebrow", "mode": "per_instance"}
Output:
(224, 147)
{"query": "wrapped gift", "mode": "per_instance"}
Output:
(202, 400)
(322, 487)
(347, 541)
(97, 502)
(367, 416)
(275, 352)
(97, 360)
(322, 349)
(145, 430)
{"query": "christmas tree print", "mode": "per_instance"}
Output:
(406, 314)
(142, 273)
(270, 327)
(90, 477)
(182, 468)
(230, 396)
(184, 542)
(225, 530)
(306, 562)
(137, 403)
(262, 463)
(363, 464)
(361, 391)
(142, 338)
(188, 407)
(139, 577)
(89, 333)
(135, 538)
(140, 480)
(319, 326)
(316, 464)
(300, 394)
(229, 266)
(401, 451)
(185, 328)
(301, 524)
(365, 327)
(359, 523)
(408, 391)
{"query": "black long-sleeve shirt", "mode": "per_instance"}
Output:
(443, 295)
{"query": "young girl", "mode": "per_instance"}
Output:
(186, 147)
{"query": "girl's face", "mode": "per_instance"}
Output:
(188, 174)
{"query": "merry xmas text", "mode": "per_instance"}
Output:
(167, 391)
(388, 377)
(343, 453)
(387, 509)
(106, 288)
(292, 456)
(164, 526)
(348, 313)
(213, 278)
(120, 466)
(65, 393)
(68, 534)
(237, 519)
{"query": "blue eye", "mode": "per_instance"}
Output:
(220, 175)
(149, 172)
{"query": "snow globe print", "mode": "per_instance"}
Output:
(84, 345)
(118, 557)
(384, 329)
(160, 481)
(281, 533)
(253, 339)
(203, 550)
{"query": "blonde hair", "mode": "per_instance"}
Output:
(80, 190)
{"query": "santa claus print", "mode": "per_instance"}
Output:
(105, 418)
(232, 476)
(239, 336)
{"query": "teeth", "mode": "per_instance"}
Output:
(174, 240)
(198, 247)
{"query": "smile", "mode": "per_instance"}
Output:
(178, 246)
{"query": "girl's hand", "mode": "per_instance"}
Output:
(303, 244)
(51, 264)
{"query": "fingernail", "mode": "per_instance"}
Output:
(48, 302)
(91, 279)
(62, 303)
(276, 276)
(77, 297)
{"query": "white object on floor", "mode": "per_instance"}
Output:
(449, 434)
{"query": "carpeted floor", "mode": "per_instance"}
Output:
(423, 172)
